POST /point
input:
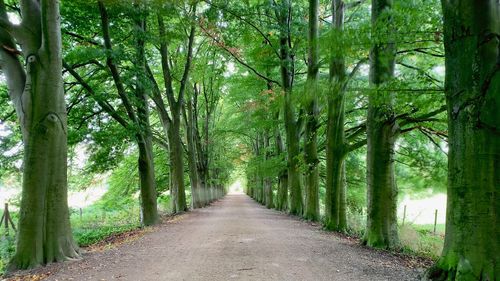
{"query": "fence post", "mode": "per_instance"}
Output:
(435, 220)
(404, 215)
(6, 219)
(81, 214)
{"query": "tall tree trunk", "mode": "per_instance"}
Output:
(268, 183)
(343, 201)
(292, 134)
(177, 166)
(258, 173)
(472, 86)
(174, 136)
(200, 152)
(381, 229)
(311, 211)
(147, 180)
(293, 149)
(204, 184)
(144, 136)
(38, 94)
(336, 149)
(193, 170)
(139, 119)
(282, 195)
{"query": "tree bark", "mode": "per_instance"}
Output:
(147, 180)
(336, 147)
(176, 156)
(177, 166)
(343, 202)
(282, 194)
(193, 171)
(144, 135)
(472, 87)
(292, 134)
(38, 94)
(381, 229)
(311, 211)
(268, 183)
(139, 116)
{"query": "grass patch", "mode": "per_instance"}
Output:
(86, 237)
(429, 228)
(7, 248)
(419, 241)
(416, 240)
(89, 226)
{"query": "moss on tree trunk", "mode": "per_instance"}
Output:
(382, 129)
(336, 148)
(472, 85)
(147, 181)
(311, 210)
(336, 151)
(381, 228)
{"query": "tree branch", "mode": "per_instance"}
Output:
(240, 61)
(433, 90)
(160, 141)
(111, 65)
(422, 118)
(187, 66)
(266, 38)
(82, 39)
(84, 119)
(12, 68)
(167, 75)
(356, 69)
(354, 132)
(103, 104)
(356, 145)
(157, 98)
(423, 51)
(437, 82)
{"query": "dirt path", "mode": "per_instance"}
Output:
(237, 239)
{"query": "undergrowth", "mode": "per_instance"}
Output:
(92, 225)
(415, 240)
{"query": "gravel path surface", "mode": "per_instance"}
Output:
(237, 239)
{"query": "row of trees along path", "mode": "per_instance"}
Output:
(128, 68)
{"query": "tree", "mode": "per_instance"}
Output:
(144, 135)
(188, 111)
(311, 160)
(472, 87)
(381, 128)
(136, 119)
(336, 147)
(172, 123)
(283, 14)
(37, 93)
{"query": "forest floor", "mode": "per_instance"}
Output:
(234, 239)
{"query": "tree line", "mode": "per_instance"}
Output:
(317, 135)
(100, 75)
(314, 83)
